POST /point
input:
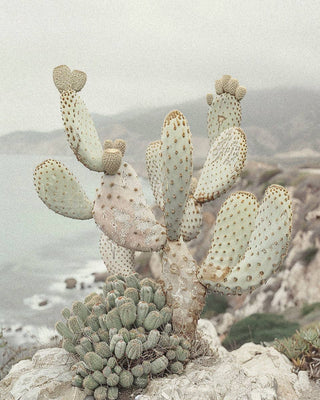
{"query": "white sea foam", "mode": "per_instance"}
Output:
(34, 301)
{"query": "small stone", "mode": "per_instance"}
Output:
(70, 283)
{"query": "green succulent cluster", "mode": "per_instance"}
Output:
(303, 349)
(122, 337)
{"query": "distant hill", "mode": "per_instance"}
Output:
(278, 121)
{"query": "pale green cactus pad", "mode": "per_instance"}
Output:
(223, 165)
(225, 110)
(176, 152)
(121, 212)
(266, 247)
(59, 189)
(155, 171)
(117, 259)
(81, 133)
(191, 220)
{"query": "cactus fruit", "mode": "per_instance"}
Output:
(136, 340)
(111, 161)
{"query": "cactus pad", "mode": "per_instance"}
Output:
(81, 133)
(59, 189)
(117, 259)
(176, 154)
(121, 212)
(191, 220)
(266, 248)
(224, 163)
(155, 171)
(225, 110)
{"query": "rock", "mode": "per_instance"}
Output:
(252, 372)
(46, 376)
(223, 322)
(100, 276)
(70, 283)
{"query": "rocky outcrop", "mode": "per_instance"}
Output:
(252, 372)
(47, 376)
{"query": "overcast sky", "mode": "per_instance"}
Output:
(140, 53)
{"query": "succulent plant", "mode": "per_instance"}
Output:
(303, 349)
(124, 356)
(249, 241)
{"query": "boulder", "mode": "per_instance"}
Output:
(47, 376)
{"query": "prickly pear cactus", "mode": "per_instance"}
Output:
(122, 337)
(248, 245)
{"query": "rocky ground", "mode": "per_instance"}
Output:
(252, 372)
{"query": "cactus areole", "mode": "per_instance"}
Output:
(248, 244)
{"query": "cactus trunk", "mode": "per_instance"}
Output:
(185, 294)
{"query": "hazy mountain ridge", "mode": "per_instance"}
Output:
(275, 121)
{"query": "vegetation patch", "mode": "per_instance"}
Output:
(308, 255)
(259, 328)
(309, 308)
(215, 304)
(303, 349)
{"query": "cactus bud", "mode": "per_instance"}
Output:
(134, 349)
(159, 365)
(128, 313)
(77, 381)
(93, 361)
(99, 377)
(137, 370)
(63, 330)
(90, 383)
(176, 368)
(80, 310)
(132, 293)
(113, 393)
(125, 379)
(153, 320)
(100, 393)
(159, 298)
(146, 294)
(113, 380)
(103, 349)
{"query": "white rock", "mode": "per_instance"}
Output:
(46, 376)
(252, 372)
